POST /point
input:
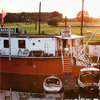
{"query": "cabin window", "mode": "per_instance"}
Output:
(6, 43)
(21, 43)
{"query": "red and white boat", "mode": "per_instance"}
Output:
(26, 60)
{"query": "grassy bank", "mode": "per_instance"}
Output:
(75, 27)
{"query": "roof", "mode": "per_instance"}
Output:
(89, 69)
(72, 37)
(30, 35)
(42, 36)
(94, 43)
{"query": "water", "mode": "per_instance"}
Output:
(8, 95)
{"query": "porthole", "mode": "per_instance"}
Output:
(38, 40)
(33, 43)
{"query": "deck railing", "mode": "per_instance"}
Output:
(82, 57)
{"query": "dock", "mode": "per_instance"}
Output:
(70, 83)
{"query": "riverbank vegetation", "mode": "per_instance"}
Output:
(32, 28)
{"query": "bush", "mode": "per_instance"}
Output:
(53, 21)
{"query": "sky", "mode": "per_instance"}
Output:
(68, 8)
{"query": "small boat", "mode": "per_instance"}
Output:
(52, 84)
(89, 79)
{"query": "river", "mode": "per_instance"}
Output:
(13, 95)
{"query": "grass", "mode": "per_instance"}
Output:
(76, 29)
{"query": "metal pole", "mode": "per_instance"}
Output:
(70, 41)
(9, 44)
(62, 53)
(82, 21)
(65, 23)
(89, 40)
(39, 16)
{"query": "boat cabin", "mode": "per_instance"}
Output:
(44, 45)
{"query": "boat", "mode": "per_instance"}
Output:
(52, 84)
(26, 60)
(89, 79)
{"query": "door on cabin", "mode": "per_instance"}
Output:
(64, 44)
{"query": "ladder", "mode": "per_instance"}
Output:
(67, 64)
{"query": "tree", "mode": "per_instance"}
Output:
(12, 17)
(85, 16)
(55, 18)
(57, 15)
(53, 21)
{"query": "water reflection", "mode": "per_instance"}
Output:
(63, 96)
(56, 96)
(8, 95)
(42, 96)
(89, 96)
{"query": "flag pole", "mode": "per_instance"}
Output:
(2, 22)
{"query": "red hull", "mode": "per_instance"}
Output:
(36, 66)
(23, 82)
(28, 74)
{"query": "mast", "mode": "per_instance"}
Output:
(82, 21)
(39, 16)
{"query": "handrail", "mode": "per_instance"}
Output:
(83, 57)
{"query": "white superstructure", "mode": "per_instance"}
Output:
(20, 45)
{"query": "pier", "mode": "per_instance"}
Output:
(70, 83)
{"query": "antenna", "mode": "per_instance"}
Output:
(39, 16)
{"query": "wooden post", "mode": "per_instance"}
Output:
(65, 22)
(39, 16)
(82, 22)
(35, 26)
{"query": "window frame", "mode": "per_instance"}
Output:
(6, 43)
(21, 45)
